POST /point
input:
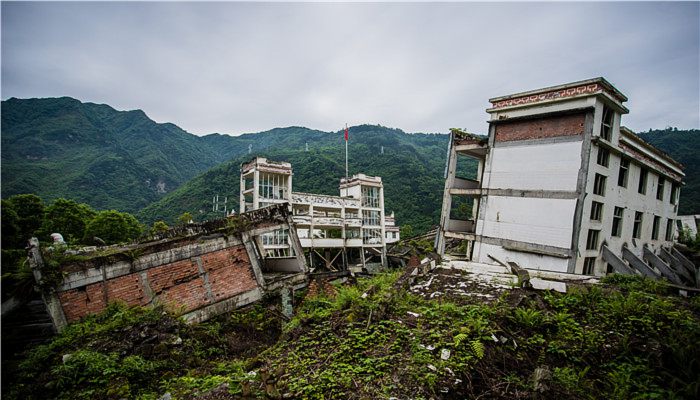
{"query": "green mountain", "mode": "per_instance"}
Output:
(92, 153)
(684, 147)
(411, 168)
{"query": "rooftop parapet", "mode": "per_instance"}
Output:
(588, 87)
(361, 179)
(263, 164)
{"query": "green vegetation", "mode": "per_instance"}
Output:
(113, 227)
(684, 147)
(411, 169)
(624, 339)
(122, 160)
(139, 353)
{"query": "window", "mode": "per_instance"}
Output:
(637, 229)
(352, 233)
(606, 125)
(655, 228)
(370, 217)
(592, 240)
(596, 211)
(272, 186)
(370, 196)
(660, 188)
(643, 181)
(588, 265)
(669, 230)
(371, 236)
(603, 156)
(624, 171)
(599, 185)
(617, 221)
(674, 193)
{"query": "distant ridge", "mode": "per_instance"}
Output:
(92, 153)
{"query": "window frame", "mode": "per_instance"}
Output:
(616, 229)
(623, 172)
(637, 227)
(643, 181)
(599, 183)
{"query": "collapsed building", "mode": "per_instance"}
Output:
(197, 271)
(561, 186)
(336, 232)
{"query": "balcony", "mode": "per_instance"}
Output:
(461, 229)
(463, 186)
(353, 222)
(321, 242)
(302, 219)
(327, 221)
(353, 242)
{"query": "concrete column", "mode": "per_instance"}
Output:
(241, 205)
(446, 198)
(256, 189)
(49, 295)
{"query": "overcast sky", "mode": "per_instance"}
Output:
(246, 67)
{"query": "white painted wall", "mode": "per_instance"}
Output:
(629, 199)
(532, 220)
(551, 166)
(525, 260)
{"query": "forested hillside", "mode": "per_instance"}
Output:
(684, 147)
(411, 168)
(109, 159)
(92, 153)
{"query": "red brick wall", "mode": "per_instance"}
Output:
(179, 285)
(564, 125)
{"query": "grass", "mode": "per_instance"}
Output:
(624, 339)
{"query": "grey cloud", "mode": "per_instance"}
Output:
(245, 67)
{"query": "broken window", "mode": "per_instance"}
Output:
(370, 217)
(637, 229)
(660, 188)
(370, 196)
(588, 265)
(272, 186)
(596, 211)
(643, 181)
(617, 221)
(606, 125)
(352, 233)
(599, 185)
(371, 236)
(592, 240)
(624, 172)
(669, 230)
(674, 193)
(655, 228)
(603, 156)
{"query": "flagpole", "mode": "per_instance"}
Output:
(346, 151)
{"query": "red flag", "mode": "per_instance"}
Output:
(346, 133)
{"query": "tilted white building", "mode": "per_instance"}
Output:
(561, 185)
(335, 231)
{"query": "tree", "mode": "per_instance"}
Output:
(68, 218)
(30, 214)
(113, 227)
(159, 227)
(10, 227)
(406, 231)
(185, 218)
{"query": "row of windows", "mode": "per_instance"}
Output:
(616, 231)
(603, 159)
